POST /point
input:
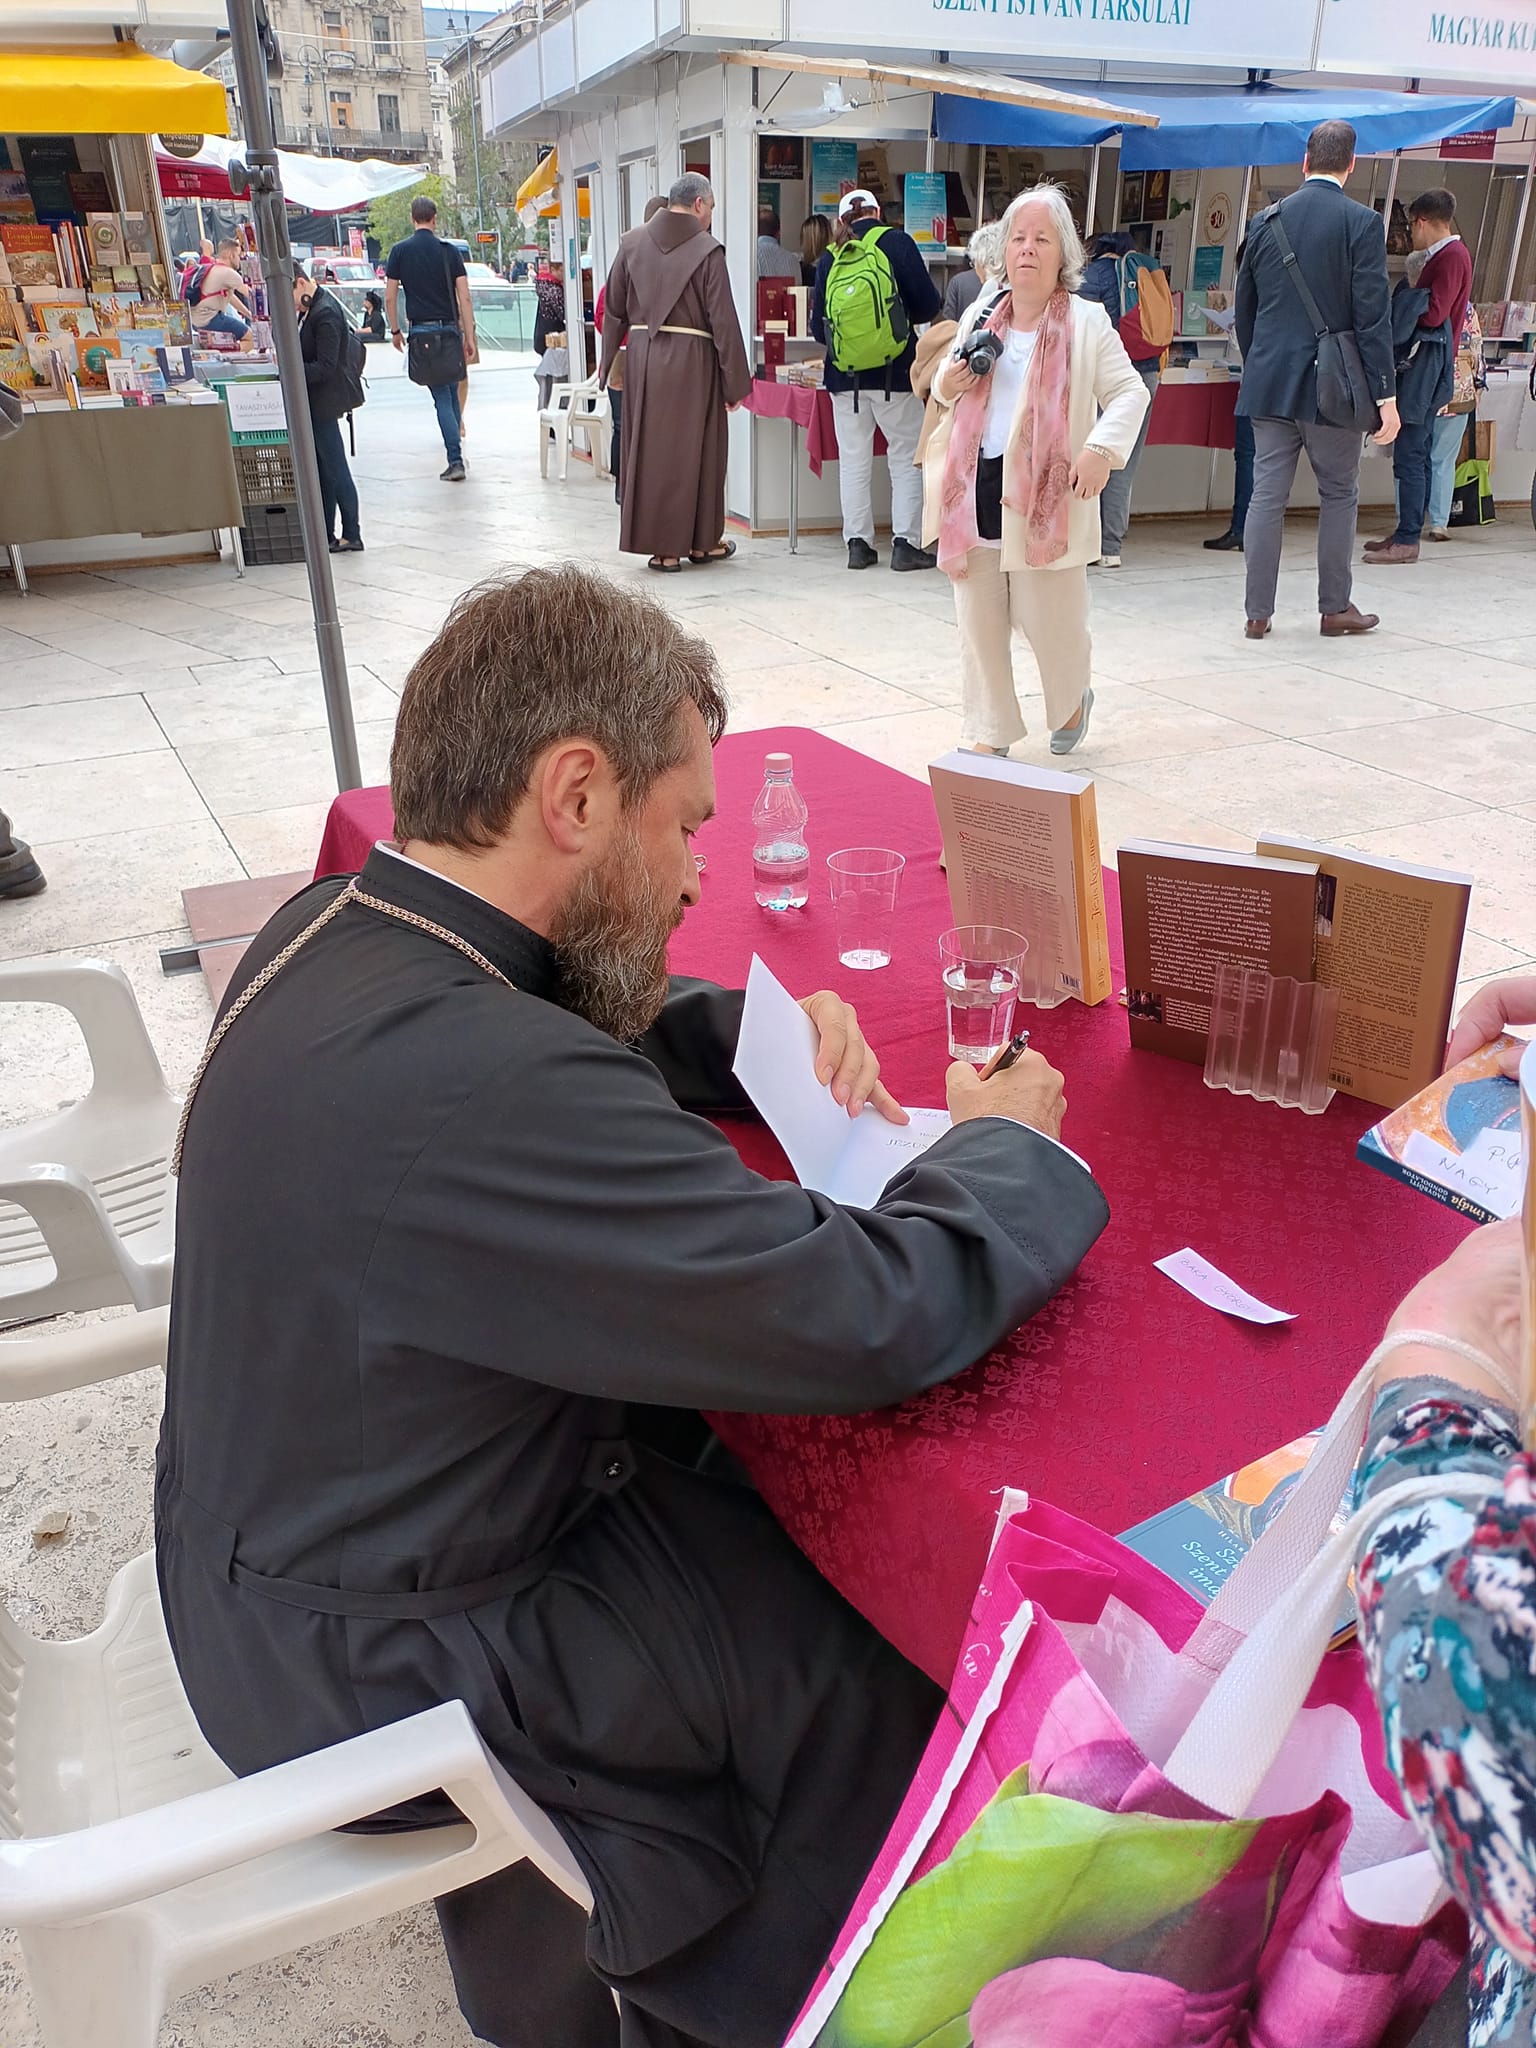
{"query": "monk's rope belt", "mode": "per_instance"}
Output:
(640, 327)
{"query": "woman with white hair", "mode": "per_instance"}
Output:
(985, 250)
(1042, 404)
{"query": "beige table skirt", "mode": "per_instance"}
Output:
(117, 469)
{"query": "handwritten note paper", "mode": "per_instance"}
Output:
(1490, 1171)
(1209, 1284)
(849, 1159)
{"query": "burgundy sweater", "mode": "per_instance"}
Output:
(1447, 277)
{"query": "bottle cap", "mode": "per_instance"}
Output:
(779, 764)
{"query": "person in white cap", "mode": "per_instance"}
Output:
(873, 292)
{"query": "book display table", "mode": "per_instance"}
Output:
(1126, 1393)
(112, 469)
(1199, 415)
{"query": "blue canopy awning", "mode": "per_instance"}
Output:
(1206, 127)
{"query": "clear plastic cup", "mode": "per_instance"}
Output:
(865, 881)
(982, 967)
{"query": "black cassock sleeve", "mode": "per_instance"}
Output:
(693, 1042)
(570, 1224)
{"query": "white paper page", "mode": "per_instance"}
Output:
(875, 1151)
(1490, 1171)
(1209, 1284)
(776, 1064)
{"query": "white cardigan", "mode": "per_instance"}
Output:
(1109, 402)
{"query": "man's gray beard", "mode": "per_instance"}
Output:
(611, 937)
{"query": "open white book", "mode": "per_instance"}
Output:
(849, 1158)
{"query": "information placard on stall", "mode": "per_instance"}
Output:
(925, 206)
(834, 171)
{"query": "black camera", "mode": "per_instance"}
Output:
(981, 351)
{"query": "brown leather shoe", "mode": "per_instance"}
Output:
(1255, 629)
(1394, 552)
(1333, 625)
(1382, 540)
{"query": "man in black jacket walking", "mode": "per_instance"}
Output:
(325, 337)
(1342, 253)
(865, 399)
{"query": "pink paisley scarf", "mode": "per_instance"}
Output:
(1039, 462)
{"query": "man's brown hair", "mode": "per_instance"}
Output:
(1436, 204)
(423, 210)
(1331, 148)
(523, 663)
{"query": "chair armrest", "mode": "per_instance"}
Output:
(58, 1878)
(91, 1262)
(52, 1363)
(100, 997)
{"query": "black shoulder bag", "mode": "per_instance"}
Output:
(1343, 395)
(435, 354)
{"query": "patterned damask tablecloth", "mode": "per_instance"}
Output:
(1126, 1392)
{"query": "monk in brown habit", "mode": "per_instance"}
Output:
(686, 366)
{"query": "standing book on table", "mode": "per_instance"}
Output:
(1021, 847)
(1187, 908)
(1388, 938)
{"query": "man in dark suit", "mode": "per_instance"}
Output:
(1342, 253)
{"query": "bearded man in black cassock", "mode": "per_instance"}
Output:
(455, 1270)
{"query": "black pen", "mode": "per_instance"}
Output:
(1000, 1062)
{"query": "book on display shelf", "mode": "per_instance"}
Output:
(1388, 937)
(1460, 1140)
(95, 353)
(138, 238)
(109, 248)
(1021, 848)
(1183, 910)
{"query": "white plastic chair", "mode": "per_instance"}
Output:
(573, 409)
(54, 1361)
(87, 1202)
(146, 1870)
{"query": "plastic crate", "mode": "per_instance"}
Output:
(265, 475)
(271, 533)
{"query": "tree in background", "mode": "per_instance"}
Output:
(389, 218)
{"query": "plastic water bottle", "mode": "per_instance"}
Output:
(781, 860)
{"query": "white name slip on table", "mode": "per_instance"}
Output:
(849, 1159)
(1209, 1284)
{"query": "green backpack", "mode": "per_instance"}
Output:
(865, 316)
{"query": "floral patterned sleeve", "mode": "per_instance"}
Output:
(1448, 1626)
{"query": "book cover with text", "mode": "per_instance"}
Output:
(1459, 1141)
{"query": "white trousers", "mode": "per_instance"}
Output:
(1050, 608)
(900, 419)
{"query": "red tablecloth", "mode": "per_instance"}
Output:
(1194, 415)
(1126, 1392)
(809, 407)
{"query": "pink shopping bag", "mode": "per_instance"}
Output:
(1148, 1826)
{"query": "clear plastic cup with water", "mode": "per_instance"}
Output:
(982, 966)
(865, 881)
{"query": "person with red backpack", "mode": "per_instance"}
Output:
(1113, 279)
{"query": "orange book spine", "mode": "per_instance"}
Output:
(1088, 881)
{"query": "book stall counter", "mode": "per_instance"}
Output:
(99, 470)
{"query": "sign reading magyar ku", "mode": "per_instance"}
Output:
(1233, 32)
(1492, 44)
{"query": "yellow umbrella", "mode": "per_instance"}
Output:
(106, 89)
(543, 178)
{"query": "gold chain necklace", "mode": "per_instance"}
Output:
(351, 894)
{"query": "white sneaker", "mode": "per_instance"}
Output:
(1107, 562)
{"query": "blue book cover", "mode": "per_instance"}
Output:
(1199, 1542)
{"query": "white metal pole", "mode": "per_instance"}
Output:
(1093, 191)
(1525, 207)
